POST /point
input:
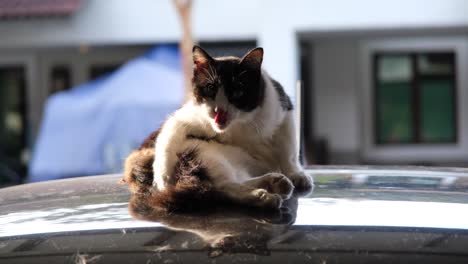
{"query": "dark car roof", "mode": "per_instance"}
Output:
(359, 214)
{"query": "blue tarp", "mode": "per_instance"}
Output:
(91, 128)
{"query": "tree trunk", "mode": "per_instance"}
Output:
(184, 8)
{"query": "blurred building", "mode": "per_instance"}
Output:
(384, 81)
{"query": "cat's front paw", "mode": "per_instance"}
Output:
(279, 184)
(159, 180)
(159, 183)
(161, 175)
(266, 199)
(303, 183)
(163, 169)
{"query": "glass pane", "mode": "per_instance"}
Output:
(394, 77)
(394, 110)
(60, 78)
(12, 124)
(436, 64)
(394, 68)
(438, 122)
(97, 71)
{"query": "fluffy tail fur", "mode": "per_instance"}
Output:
(190, 189)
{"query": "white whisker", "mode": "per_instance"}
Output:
(255, 126)
(213, 73)
(209, 75)
(240, 74)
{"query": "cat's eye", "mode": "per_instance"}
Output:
(238, 93)
(210, 90)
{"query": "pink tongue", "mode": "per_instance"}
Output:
(220, 117)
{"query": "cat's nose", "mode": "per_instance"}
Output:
(219, 109)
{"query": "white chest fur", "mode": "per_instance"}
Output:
(260, 147)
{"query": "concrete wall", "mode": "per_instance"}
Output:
(335, 97)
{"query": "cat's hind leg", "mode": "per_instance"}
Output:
(228, 171)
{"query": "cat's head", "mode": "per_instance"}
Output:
(228, 88)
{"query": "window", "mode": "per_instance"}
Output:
(12, 124)
(415, 98)
(60, 78)
(97, 71)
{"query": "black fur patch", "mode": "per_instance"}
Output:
(189, 166)
(198, 137)
(285, 101)
(241, 80)
(150, 141)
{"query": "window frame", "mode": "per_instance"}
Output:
(438, 154)
(416, 95)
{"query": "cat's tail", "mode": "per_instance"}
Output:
(138, 167)
(191, 188)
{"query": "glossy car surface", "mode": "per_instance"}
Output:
(355, 215)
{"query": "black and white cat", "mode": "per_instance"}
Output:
(234, 137)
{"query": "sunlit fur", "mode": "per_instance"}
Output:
(253, 159)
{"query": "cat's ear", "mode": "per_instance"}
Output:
(200, 56)
(253, 59)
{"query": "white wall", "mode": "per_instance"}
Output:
(123, 21)
(273, 22)
(344, 107)
(281, 20)
(335, 97)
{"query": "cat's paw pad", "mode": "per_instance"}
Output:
(303, 183)
(280, 184)
(266, 199)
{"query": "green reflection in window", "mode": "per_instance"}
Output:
(437, 110)
(394, 112)
(415, 99)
